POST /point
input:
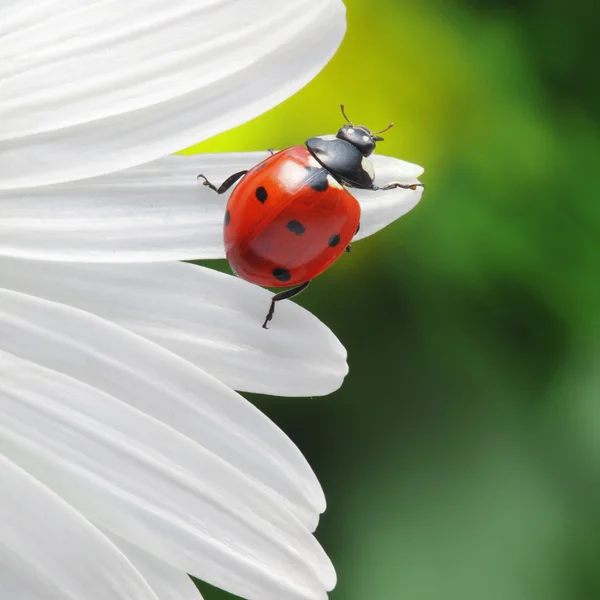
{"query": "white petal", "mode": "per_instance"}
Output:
(147, 483)
(89, 87)
(158, 211)
(48, 551)
(211, 319)
(163, 386)
(167, 582)
(383, 207)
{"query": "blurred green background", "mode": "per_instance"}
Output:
(461, 458)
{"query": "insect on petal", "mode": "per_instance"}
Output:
(159, 211)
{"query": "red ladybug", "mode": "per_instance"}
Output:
(291, 216)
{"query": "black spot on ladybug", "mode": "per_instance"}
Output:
(317, 178)
(296, 227)
(261, 194)
(334, 240)
(357, 229)
(227, 218)
(281, 274)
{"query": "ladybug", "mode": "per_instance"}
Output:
(291, 217)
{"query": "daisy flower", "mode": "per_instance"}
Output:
(126, 457)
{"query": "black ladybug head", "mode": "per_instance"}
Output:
(360, 136)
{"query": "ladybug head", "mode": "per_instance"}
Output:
(360, 136)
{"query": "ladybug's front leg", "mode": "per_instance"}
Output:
(395, 184)
(226, 184)
(283, 296)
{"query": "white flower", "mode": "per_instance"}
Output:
(126, 458)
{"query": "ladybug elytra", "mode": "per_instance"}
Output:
(291, 217)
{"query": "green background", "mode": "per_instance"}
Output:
(461, 458)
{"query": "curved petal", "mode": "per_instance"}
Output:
(167, 582)
(162, 386)
(211, 319)
(383, 207)
(149, 484)
(91, 87)
(48, 551)
(158, 211)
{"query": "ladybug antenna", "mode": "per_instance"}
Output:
(386, 129)
(378, 138)
(346, 116)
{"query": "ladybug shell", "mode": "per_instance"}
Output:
(288, 220)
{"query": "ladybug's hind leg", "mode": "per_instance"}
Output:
(283, 296)
(226, 184)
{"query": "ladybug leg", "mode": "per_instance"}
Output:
(349, 246)
(226, 184)
(395, 184)
(272, 151)
(283, 296)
